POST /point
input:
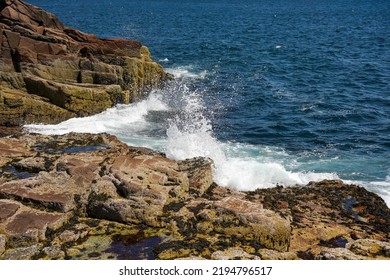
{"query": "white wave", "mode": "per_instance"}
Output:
(163, 60)
(236, 171)
(122, 118)
(239, 166)
(186, 72)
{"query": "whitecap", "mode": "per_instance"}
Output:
(187, 72)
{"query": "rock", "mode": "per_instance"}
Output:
(266, 254)
(338, 254)
(327, 213)
(7, 209)
(25, 190)
(11, 147)
(370, 248)
(33, 165)
(233, 254)
(146, 174)
(29, 226)
(86, 196)
(192, 258)
(2, 244)
(147, 183)
(200, 174)
(18, 107)
(50, 72)
(23, 253)
(69, 236)
(266, 226)
(53, 253)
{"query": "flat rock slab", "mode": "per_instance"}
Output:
(44, 197)
(13, 148)
(30, 226)
(7, 209)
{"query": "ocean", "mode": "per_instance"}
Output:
(276, 92)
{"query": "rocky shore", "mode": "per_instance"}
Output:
(50, 72)
(85, 196)
(90, 196)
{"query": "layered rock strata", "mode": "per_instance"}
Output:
(50, 72)
(84, 196)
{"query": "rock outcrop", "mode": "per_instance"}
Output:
(49, 72)
(85, 196)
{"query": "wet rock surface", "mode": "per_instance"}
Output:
(50, 72)
(93, 197)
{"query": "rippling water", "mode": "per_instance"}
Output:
(281, 91)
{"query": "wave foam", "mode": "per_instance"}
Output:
(121, 118)
(186, 72)
(239, 166)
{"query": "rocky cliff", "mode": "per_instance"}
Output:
(85, 196)
(50, 72)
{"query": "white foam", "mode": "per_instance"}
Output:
(163, 60)
(239, 166)
(122, 118)
(186, 72)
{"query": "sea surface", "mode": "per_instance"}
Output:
(274, 91)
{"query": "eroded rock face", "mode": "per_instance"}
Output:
(81, 196)
(49, 72)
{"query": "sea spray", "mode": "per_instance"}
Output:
(177, 122)
(190, 134)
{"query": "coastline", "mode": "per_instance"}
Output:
(84, 196)
(90, 196)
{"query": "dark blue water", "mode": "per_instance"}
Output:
(303, 83)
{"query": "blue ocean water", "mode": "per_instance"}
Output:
(275, 91)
